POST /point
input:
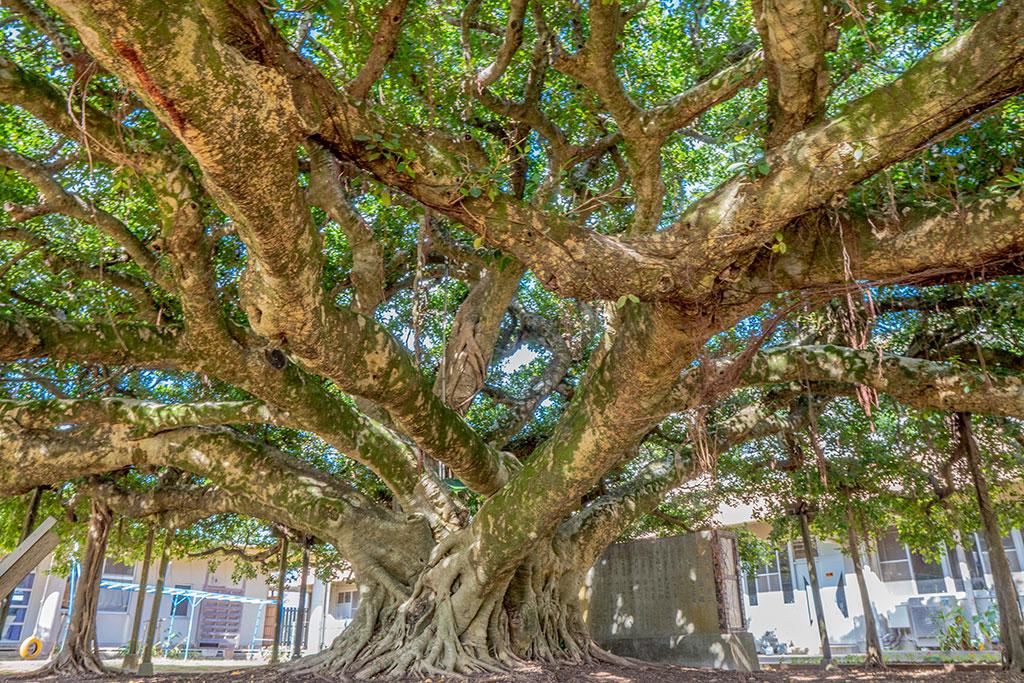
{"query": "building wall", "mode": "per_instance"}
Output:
(793, 621)
(332, 608)
(48, 599)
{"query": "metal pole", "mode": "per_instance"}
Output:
(260, 609)
(146, 666)
(73, 581)
(131, 660)
(282, 567)
(323, 616)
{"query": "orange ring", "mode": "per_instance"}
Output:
(30, 648)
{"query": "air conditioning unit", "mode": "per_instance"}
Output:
(926, 618)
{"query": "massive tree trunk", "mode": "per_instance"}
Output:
(441, 593)
(80, 654)
(448, 621)
(1011, 626)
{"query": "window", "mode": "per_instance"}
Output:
(929, 576)
(1008, 548)
(769, 576)
(973, 566)
(798, 549)
(113, 599)
(346, 604)
(19, 606)
(786, 574)
(113, 569)
(180, 603)
(893, 560)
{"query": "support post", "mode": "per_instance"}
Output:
(256, 629)
(192, 615)
(146, 666)
(131, 659)
(812, 570)
(300, 615)
(282, 568)
(872, 643)
(1011, 624)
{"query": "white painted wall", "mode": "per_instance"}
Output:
(795, 622)
(46, 619)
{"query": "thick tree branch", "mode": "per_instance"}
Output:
(793, 33)
(259, 480)
(913, 381)
(172, 507)
(281, 288)
(474, 332)
(511, 40)
(986, 236)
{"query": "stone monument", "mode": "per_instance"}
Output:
(674, 600)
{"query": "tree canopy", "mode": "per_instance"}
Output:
(465, 290)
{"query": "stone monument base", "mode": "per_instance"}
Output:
(728, 651)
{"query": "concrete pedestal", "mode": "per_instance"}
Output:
(673, 600)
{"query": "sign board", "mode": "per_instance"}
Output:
(27, 555)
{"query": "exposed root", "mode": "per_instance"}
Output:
(450, 625)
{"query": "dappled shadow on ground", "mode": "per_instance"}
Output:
(641, 673)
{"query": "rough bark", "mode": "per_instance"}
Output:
(470, 346)
(532, 615)
(1011, 625)
(80, 656)
(235, 103)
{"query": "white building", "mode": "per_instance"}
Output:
(217, 617)
(203, 608)
(908, 592)
(332, 607)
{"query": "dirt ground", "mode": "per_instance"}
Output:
(645, 673)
